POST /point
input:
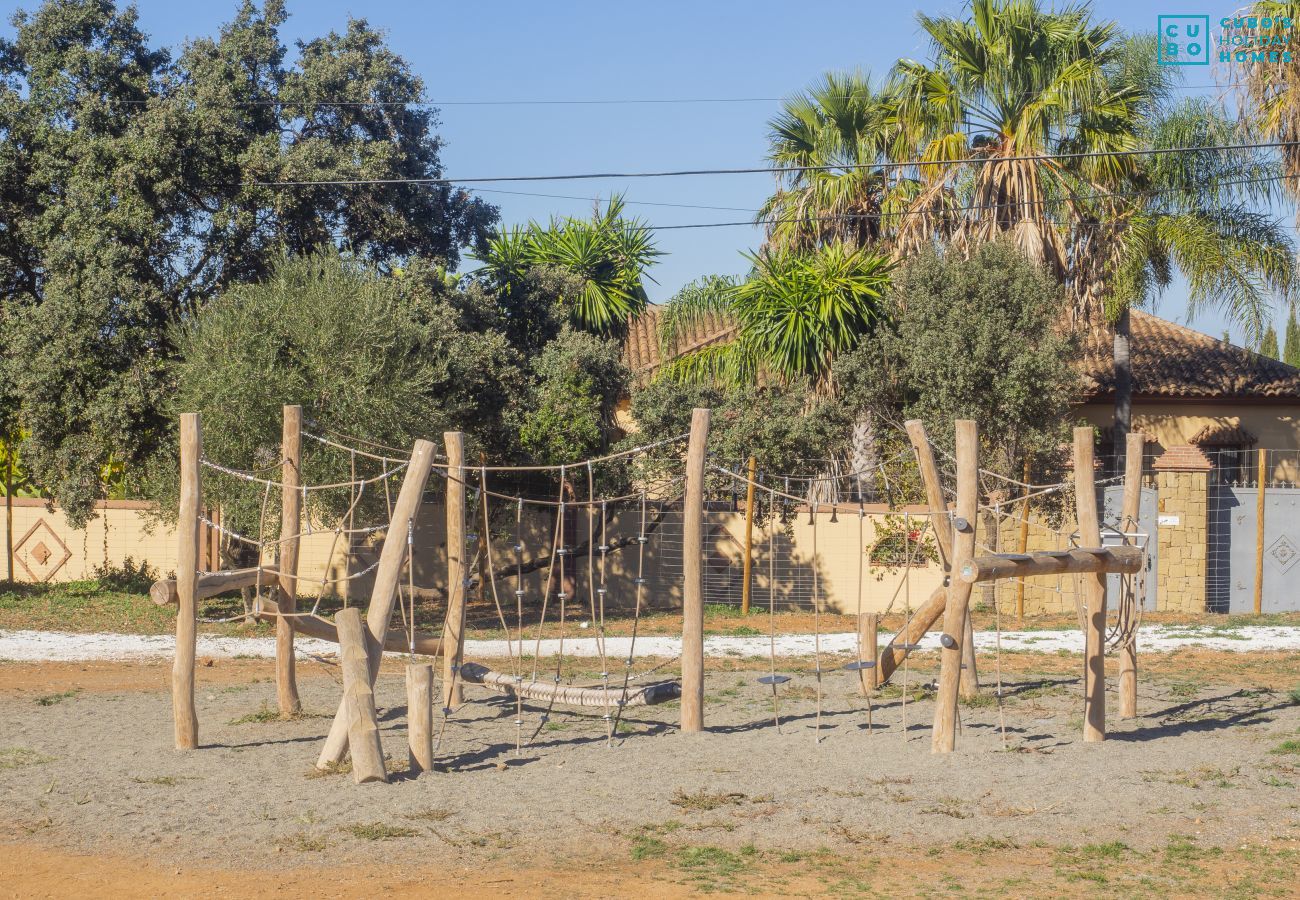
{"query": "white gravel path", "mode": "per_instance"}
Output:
(57, 646)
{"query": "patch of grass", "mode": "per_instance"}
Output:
(948, 806)
(743, 631)
(379, 831)
(265, 713)
(980, 701)
(1112, 850)
(713, 869)
(433, 814)
(646, 847)
(985, 845)
(705, 801)
(1294, 695)
(52, 699)
(1287, 747)
(161, 780)
(1184, 689)
(18, 757)
(304, 842)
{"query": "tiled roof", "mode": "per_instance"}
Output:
(1224, 435)
(641, 349)
(1168, 359)
(1171, 360)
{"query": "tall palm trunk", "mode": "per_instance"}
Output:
(1123, 383)
(864, 453)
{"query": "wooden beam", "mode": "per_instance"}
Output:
(419, 717)
(918, 625)
(453, 633)
(944, 738)
(933, 489)
(185, 717)
(286, 677)
(692, 713)
(1130, 509)
(383, 595)
(1094, 590)
(165, 593)
(747, 584)
(1050, 562)
(359, 699)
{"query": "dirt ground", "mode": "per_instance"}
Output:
(1197, 797)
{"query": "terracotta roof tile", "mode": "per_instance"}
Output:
(641, 350)
(1171, 360)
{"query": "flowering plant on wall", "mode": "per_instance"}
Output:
(901, 542)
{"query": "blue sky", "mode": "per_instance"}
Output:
(509, 50)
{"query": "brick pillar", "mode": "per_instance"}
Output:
(1182, 491)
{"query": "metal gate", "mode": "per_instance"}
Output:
(1231, 567)
(1112, 500)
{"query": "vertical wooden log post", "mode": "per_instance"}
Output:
(359, 699)
(453, 635)
(747, 588)
(1022, 546)
(286, 677)
(10, 449)
(1130, 508)
(869, 651)
(693, 576)
(384, 593)
(970, 679)
(933, 490)
(944, 739)
(1094, 590)
(184, 716)
(1262, 476)
(419, 716)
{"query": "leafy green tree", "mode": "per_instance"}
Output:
(1268, 343)
(1291, 347)
(578, 380)
(362, 352)
(972, 338)
(135, 187)
(606, 257)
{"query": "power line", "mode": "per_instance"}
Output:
(775, 170)
(602, 200)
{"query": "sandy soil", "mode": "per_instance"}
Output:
(86, 767)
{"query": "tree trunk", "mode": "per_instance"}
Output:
(1123, 382)
(864, 455)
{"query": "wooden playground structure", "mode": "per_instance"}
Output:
(362, 640)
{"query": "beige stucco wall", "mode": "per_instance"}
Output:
(1275, 425)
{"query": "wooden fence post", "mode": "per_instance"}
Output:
(453, 636)
(747, 588)
(1094, 590)
(286, 679)
(359, 699)
(184, 716)
(1262, 477)
(419, 716)
(1022, 547)
(944, 739)
(693, 576)
(1130, 509)
(869, 651)
(970, 679)
(384, 593)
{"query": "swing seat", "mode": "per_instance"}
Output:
(908, 647)
(774, 679)
(860, 665)
(649, 695)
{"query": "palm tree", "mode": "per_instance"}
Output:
(795, 313)
(608, 253)
(1271, 90)
(825, 144)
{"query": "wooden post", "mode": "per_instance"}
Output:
(384, 593)
(453, 635)
(1022, 544)
(747, 588)
(286, 679)
(9, 510)
(184, 716)
(921, 622)
(359, 699)
(1262, 476)
(933, 490)
(1094, 590)
(869, 651)
(692, 716)
(419, 716)
(944, 739)
(1130, 509)
(970, 679)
